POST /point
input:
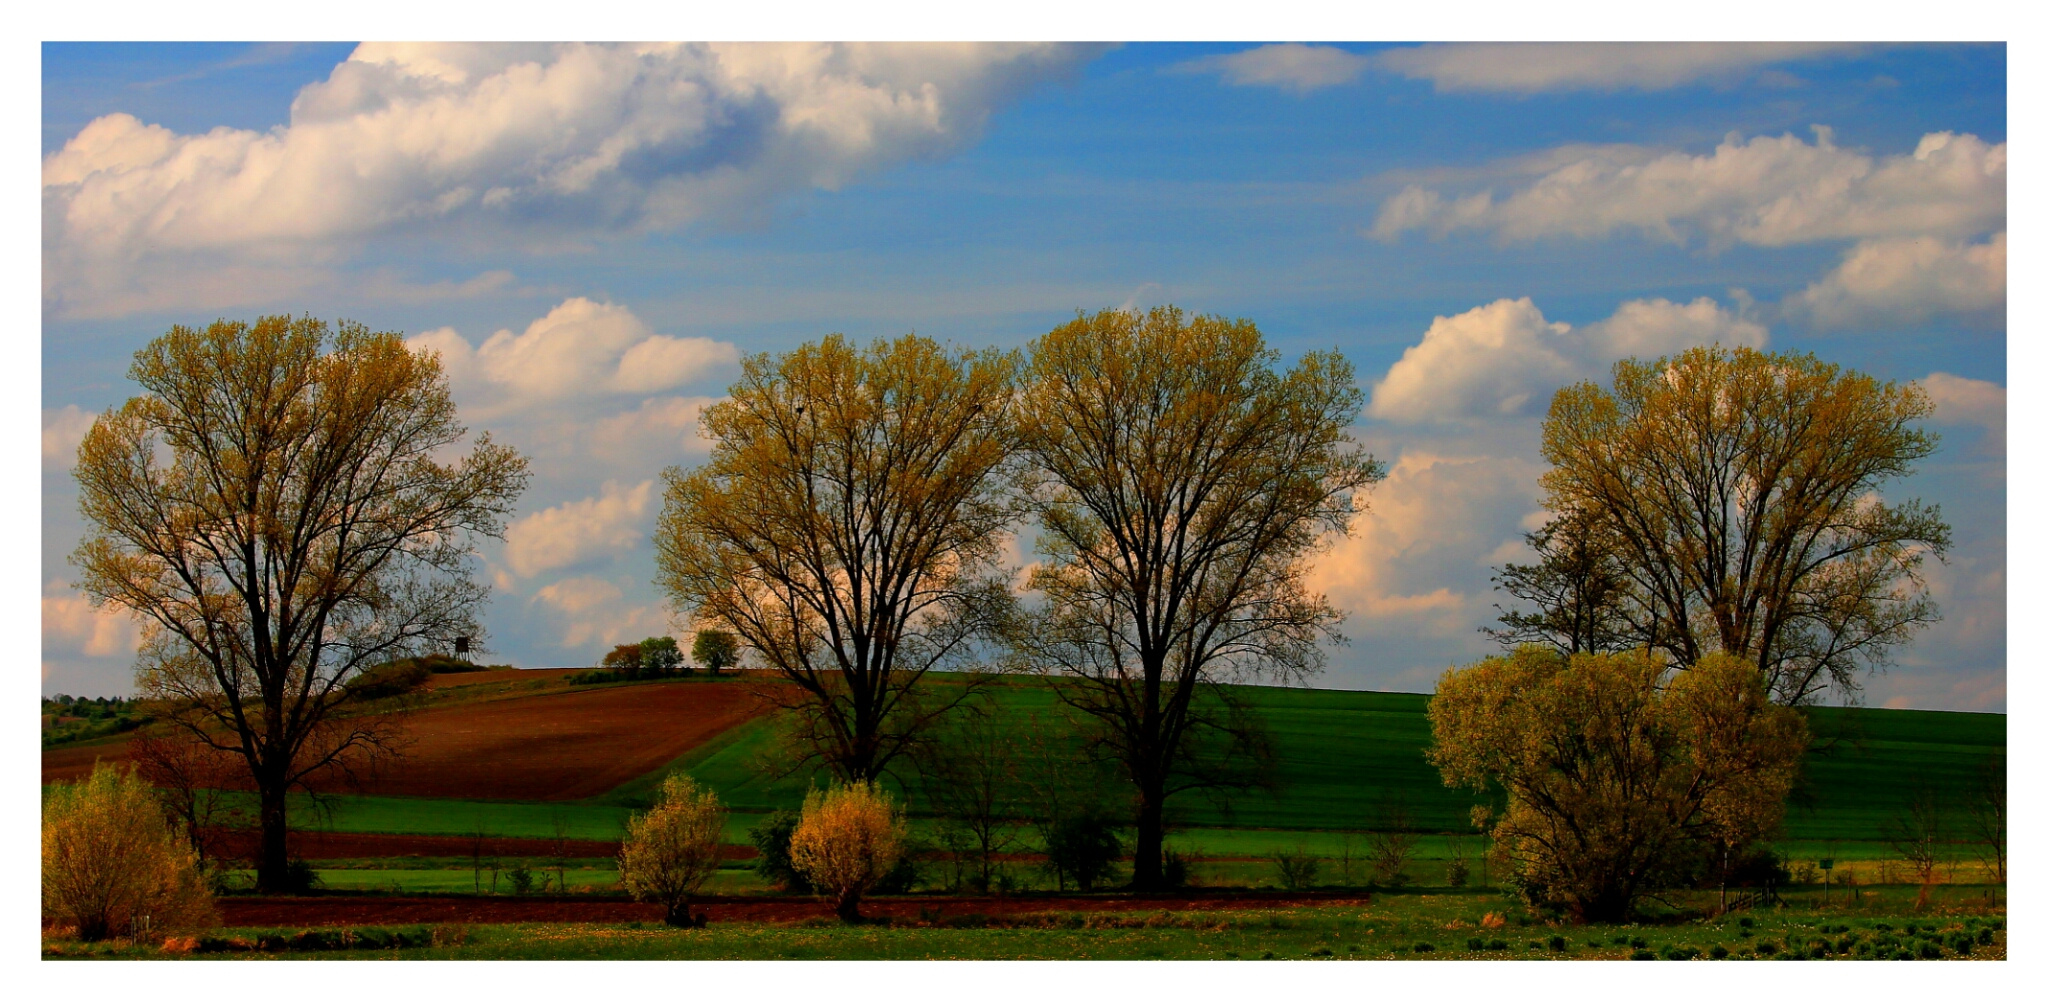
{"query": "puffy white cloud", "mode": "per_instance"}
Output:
(592, 609)
(1289, 66)
(1504, 358)
(1958, 400)
(1905, 280)
(580, 348)
(569, 534)
(665, 426)
(73, 628)
(63, 429)
(1417, 559)
(553, 142)
(1766, 191)
(1530, 67)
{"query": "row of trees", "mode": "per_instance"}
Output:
(286, 506)
(662, 656)
(849, 528)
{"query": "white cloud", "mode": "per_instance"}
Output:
(579, 348)
(1530, 67)
(591, 609)
(1504, 358)
(569, 534)
(664, 426)
(1958, 400)
(63, 429)
(1765, 191)
(73, 628)
(1416, 560)
(551, 142)
(1289, 66)
(1905, 280)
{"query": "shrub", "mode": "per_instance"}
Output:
(1297, 869)
(1084, 848)
(771, 843)
(112, 866)
(847, 839)
(1458, 872)
(673, 848)
(389, 679)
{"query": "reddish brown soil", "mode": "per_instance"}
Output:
(553, 744)
(301, 912)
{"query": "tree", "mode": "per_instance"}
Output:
(1915, 833)
(277, 509)
(112, 866)
(1986, 805)
(660, 656)
(715, 649)
(1618, 781)
(623, 660)
(1739, 493)
(1577, 587)
(967, 774)
(847, 529)
(192, 780)
(848, 839)
(673, 848)
(1182, 483)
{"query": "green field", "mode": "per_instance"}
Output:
(1339, 754)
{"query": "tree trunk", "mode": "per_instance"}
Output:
(273, 860)
(849, 906)
(1147, 873)
(679, 914)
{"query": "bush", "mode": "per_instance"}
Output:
(673, 848)
(390, 679)
(112, 866)
(847, 840)
(1297, 869)
(771, 842)
(1083, 848)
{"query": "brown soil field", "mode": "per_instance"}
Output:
(314, 845)
(304, 912)
(553, 744)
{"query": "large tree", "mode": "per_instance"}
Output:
(1182, 485)
(1739, 494)
(1618, 781)
(847, 529)
(281, 509)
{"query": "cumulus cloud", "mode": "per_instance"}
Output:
(1531, 67)
(1505, 358)
(579, 531)
(579, 348)
(553, 142)
(592, 609)
(1768, 191)
(1958, 400)
(1906, 280)
(63, 429)
(73, 628)
(1289, 66)
(1417, 559)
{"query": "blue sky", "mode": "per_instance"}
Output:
(1471, 226)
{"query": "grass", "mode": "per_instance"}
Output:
(1423, 926)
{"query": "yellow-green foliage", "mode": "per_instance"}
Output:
(671, 849)
(848, 838)
(1618, 780)
(112, 866)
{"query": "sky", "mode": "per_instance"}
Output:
(593, 236)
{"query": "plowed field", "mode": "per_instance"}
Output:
(552, 745)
